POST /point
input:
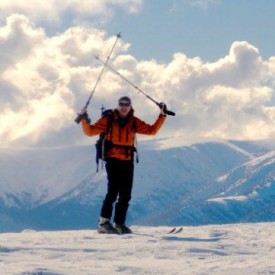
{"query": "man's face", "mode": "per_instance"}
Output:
(124, 108)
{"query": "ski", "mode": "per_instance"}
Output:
(172, 231)
(175, 230)
(179, 230)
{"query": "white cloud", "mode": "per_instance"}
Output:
(41, 77)
(17, 39)
(51, 11)
(45, 80)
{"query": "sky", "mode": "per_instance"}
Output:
(211, 61)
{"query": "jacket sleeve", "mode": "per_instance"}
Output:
(94, 129)
(147, 129)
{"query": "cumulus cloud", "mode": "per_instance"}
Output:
(223, 99)
(17, 38)
(45, 79)
(51, 11)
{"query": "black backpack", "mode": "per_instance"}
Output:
(103, 145)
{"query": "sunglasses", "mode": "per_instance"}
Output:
(124, 104)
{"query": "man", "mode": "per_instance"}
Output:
(119, 159)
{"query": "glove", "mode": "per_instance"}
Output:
(84, 115)
(163, 108)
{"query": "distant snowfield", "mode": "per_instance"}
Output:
(215, 249)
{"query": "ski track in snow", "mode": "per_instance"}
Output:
(215, 249)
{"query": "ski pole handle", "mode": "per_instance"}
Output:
(80, 115)
(163, 107)
(169, 113)
(78, 118)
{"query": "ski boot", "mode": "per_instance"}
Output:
(105, 227)
(122, 229)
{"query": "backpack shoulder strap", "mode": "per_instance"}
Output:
(109, 128)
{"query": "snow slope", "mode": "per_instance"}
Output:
(226, 249)
(245, 194)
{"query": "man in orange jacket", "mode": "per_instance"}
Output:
(119, 159)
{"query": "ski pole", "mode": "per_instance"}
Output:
(160, 105)
(78, 118)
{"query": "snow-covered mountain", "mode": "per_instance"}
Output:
(210, 182)
(245, 194)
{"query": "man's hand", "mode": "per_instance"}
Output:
(84, 115)
(163, 108)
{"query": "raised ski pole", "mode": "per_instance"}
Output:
(170, 113)
(78, 118)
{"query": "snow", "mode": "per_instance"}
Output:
(232, 198)
(204, 183)
(215, 249)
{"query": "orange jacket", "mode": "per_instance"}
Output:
(121, 135)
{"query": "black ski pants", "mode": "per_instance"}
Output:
(120, 181)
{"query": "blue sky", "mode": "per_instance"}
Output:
(164, 27)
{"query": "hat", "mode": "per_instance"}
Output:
(125, 98)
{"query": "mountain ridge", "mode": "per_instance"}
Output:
(60, 189)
